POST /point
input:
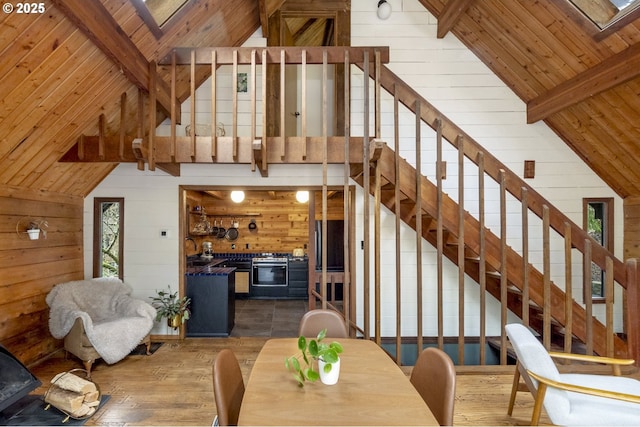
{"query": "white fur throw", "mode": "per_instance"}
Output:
(113, 321)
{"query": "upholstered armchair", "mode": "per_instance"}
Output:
(572, 399)
(98, 318)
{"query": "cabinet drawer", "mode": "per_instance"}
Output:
(242, 282)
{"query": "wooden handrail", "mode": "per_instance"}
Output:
(492, 166)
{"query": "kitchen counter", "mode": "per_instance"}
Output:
(209, 268)
(212, 293)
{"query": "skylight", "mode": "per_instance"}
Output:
(605, 13)
(162, 10)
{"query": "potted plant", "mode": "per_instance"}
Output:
(325, 354)
(167, 304)
(35, 227)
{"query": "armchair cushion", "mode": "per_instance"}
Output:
(113, 321)
(567, 407)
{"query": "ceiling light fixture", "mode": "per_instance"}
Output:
(302, 196)
(237, 196)
(384, 9)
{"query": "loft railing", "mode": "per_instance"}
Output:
(508, 272)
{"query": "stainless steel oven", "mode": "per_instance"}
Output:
(269, 271)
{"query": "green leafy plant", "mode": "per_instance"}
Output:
(167, 304)
(39, 224)
(302, 365)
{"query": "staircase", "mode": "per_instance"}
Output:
(484, 251)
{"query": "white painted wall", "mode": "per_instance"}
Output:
(445, 73)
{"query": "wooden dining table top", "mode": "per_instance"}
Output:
(371, 390)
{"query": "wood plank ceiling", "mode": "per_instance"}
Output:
(65, 68)
(582, 82)
(65, 73)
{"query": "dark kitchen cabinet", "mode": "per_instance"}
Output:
(212, 307)
(298, 278)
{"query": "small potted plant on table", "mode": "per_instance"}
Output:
(325, 354)
(167, 304)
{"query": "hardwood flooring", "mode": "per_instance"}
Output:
(173, 386)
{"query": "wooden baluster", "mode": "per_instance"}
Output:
(608, 294)
(418, 184)
(325, 169)
(303, 115)
(101, 136)
(397, 201)
(123, 127)
(140, 123)
(152, 115)
(365, 208)
(503, 267)
(173, 112)
(482, 263)
(234, 115)
(263, 160)
(253, 106)
(546, 262)
(439, 232)
(568, 291)
(346, 284)
(214, 96)
(525, 256)
(283, 67)
(461, 257)
(192, 148)
(377, 93)
(587, 295)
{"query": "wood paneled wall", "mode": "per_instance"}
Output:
(282, 222)
(30, 268)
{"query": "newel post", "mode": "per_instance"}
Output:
(633, 309)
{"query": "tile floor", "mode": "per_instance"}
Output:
(268, 318)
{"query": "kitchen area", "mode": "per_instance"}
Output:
(255, 248)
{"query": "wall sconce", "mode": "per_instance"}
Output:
(384, 9)
(33, 227)
(237, 196)
(302, 196)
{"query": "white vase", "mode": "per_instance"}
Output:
(34, 234)
(331, 377)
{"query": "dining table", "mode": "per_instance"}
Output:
(371, 390)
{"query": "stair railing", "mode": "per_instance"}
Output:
(553, 220)
(478, 251)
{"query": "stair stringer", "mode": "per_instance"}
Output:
(429, 197)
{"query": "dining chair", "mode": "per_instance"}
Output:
(571, 399)
(316, 320)
(434, 376)
(228, 388)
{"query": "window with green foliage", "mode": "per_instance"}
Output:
(598, 222)
(108, 237)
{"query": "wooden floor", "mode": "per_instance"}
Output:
(174, 386)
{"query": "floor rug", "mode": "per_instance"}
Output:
(29, 411)
(141, 350)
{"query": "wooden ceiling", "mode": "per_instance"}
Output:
(66, 72)
(582, 82)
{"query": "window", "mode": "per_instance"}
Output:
(108, 237)
(598, 222)
(604, 13)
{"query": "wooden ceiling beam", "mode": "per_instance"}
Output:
(613, 71)
(95, 21)
(267, 8)
(450, 15)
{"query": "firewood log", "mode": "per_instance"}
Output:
(92, 396)
(68, 401)
(73, 382)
